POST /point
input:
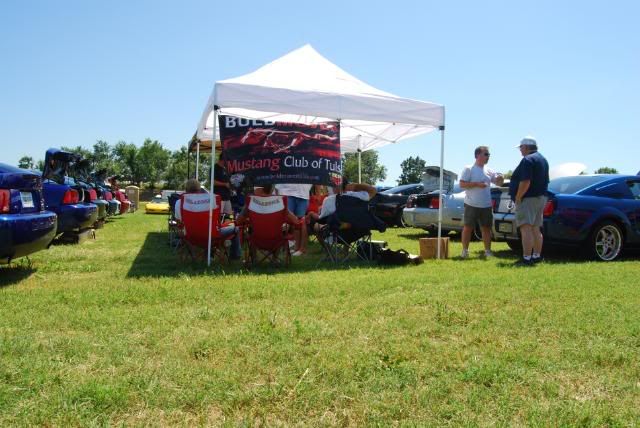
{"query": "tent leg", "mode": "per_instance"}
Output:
(359, 166)
(211, 194)
(441, 189)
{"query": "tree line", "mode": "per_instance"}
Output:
(152, 164)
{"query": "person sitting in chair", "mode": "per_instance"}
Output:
(267, 190)
(362, 191)
(193, 186)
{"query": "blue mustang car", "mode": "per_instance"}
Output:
(600, 214)
(62, 198)
(25, 226)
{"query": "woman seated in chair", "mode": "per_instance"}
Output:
(361, 191)
(193, 186)
(267, 190)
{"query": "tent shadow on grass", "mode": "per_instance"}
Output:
(157, 259)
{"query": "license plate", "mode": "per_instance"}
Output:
(27, 199)
(505, 227)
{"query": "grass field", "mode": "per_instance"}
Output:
(118, 331)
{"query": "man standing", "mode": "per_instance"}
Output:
(476, 179)
(528, 188)
(221, 185)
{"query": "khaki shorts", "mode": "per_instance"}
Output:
(529, 211)
(475, 215)
(226, 208)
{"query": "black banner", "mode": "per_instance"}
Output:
(281, 152)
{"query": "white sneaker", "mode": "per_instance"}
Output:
(297, 253)
(464, 254)
(488, 253)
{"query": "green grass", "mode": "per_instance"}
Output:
(118, 331)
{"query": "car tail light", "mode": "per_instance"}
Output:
(434, 202)
(494, 204)
(70, 197)
(5, 200)
(92, 195)
(549, 207)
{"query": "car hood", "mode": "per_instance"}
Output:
(80, 170)
(56, 164)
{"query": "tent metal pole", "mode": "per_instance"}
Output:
(359, 159)
(198, 158)
(440, 196)
(211, 194)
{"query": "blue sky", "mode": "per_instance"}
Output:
(73, 72)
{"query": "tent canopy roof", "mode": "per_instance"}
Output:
(305, 87)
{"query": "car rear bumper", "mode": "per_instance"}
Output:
(427, 218)
(504, 227)
(102, 208)
(23, 234)
(76, 216)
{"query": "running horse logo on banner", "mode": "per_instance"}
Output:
(282, 152)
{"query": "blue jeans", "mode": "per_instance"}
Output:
(297, 206)
(235, 241)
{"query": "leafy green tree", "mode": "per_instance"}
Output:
(103, 157)
(412, 169)
(606, 170)
(176, 174)
(40, 165)
(126, 157)
(26, 162)
(152, 160)
(372, 171)
(507, 175)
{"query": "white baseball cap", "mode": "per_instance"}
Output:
(527, 141)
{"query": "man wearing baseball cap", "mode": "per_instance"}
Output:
(528, 188)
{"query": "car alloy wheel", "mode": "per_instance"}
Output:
(607, 241)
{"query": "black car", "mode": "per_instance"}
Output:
(388, 205)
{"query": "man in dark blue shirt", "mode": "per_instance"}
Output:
(528, 188)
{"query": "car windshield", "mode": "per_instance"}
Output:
(399, 189)
(158, 199)
(576, 183)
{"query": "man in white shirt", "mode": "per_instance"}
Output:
(476, 179)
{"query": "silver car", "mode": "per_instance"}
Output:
(422, 210)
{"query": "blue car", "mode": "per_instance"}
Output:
(62, 198)
(79, 180)
(25, 226)
(600, 214)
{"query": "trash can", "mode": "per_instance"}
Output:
(133, 194)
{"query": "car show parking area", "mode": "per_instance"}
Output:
(120, 331)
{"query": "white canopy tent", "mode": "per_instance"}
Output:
(305, 87)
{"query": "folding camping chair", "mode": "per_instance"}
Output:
(175, 227)
(266, 231)
(347, 232)
(194, 211)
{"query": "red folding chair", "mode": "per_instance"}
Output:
(194, 213)
(266, 233)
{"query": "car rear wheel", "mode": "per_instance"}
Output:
(606, 241)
